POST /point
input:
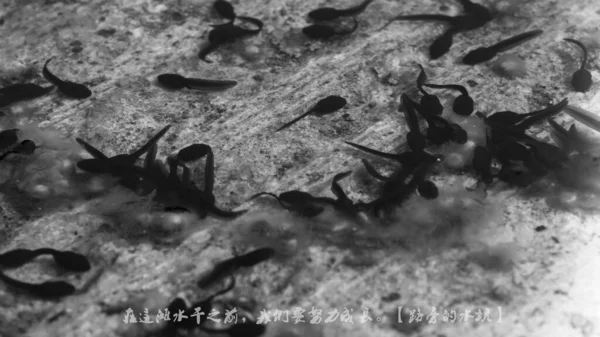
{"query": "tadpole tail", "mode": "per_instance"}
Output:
(91, 150)
(4, 155)
(421, 17)
(212, 46)
(224, 290)
(456, 87)
(336, 189)
(46, 90)
(290, 123)
(17, 284)
(374, 173)
(18, 257)
(421, 79)
(356, 9)
(516, 40)
(48, 75)
(150, 157)
(209, 173)
(255, 257)
(151, 142)
(409, 113)
(583, 49)
(209, 85)
(373, 152)
(539, 115)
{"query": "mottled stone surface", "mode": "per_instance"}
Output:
(117, 47)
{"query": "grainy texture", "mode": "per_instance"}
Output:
(117, 48)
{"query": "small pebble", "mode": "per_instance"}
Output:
(40, 191)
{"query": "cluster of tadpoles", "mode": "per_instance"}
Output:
(306, 205)
(28, 91)
(523, 158)
(581, 79)
(416, 162)
(175, 192)
(228, 32)
(475, 16)
(221, 271)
